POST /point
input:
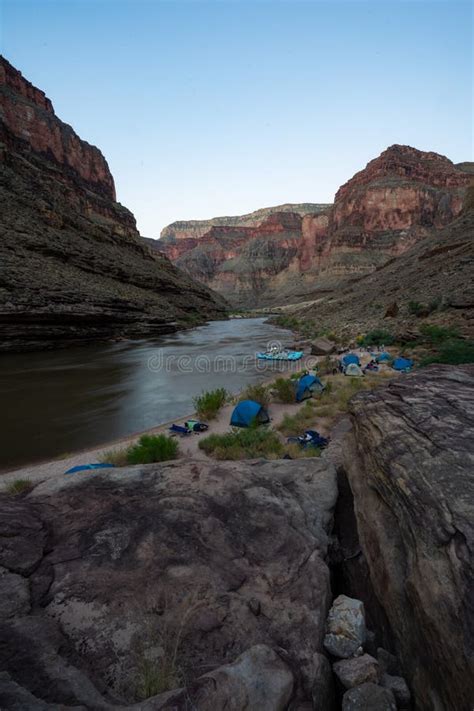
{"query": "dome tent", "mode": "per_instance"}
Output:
(353, 369)
(307, 385)
(402, 364)
(349, 359)
(247, 412)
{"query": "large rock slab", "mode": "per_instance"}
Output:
(208, 559)
(410, 462)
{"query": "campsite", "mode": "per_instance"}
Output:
(274, 415)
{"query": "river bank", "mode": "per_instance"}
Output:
(189, 446)
(61, 402)
(325, 417)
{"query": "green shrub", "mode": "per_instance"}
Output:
(258, 393)
(247, 443)
(152, 448)
(296, 452)
(297, 423)
(437, 334)
(286, 321)
(285, 389)
(209, 402)
(454, 352)
(378, 337)
(19, 486)
(416, 309)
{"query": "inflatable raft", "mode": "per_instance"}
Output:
(281, 355)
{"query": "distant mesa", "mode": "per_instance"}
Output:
(295, 252)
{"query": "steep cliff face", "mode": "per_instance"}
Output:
(401, 197)
(72, 265)
(436, 272)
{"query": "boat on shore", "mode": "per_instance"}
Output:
(280, 355)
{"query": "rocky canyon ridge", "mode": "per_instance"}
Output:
(73, 268)
(293, 253)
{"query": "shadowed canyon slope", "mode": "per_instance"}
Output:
(72, 265)
(401, 197)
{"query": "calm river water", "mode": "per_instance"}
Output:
(56, 402)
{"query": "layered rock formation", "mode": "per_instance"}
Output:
(410, 459)
(437, 272)
(107, 575)
(73, 268)
(244, 258)
(193, 229)
(402, 196)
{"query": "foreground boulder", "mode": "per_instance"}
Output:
(410, 462)
(356, 671)
(147, 577)
(258, 679)
(368, 697)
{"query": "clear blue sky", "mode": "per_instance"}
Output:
(212, 108)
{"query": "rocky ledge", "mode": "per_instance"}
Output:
(73, 268)
(410, 464)
(105, 575)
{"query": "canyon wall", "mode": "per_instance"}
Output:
(73, 267)
(401, 197)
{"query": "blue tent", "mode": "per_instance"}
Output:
(306, 386)
(403, 364)
(247, 412)
(350, 358)
(383, 357)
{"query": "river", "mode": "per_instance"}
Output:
(57, 402)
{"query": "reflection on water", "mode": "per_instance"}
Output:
(55, 402)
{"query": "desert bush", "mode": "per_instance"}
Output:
(258, 393)
(286, 321)
(415, 308)
(117, 457)
(377, 337)
(285, 389)
(152, 448)
(19, 486)
(247, 443)
(300, 421)
(434, 334)
(156, 676)
(453, 352)
(209, 402)
(418, 309)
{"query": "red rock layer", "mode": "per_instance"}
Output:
(400, 197)
(29, 115)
